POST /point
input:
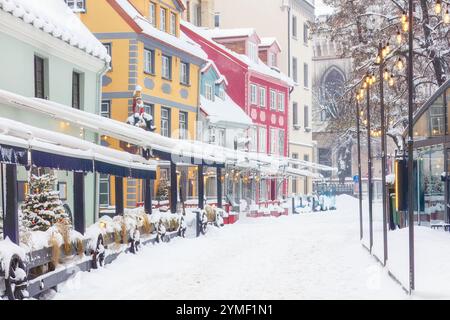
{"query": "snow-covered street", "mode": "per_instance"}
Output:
(308, 256)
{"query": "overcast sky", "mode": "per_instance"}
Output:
(321, 8)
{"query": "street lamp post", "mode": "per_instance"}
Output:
(369, 156)
(381, 54)
(358, 129)
(410, 146)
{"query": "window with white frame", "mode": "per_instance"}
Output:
(209, 92)
(162, 19)
(295, 69)
(262, 97)
(272, 59)
(273, 140)
(152, 14)
(273, 100)
(281, 101)
(305, 33)
(77, 5)
(183, 123)
(149, 108)
(253, 51)
(294, 27)
(167, 67)
(104, 191)
(165, 122)
(220, 132)
(217, 20)
(184, 73)
(253, 94)
(149, 61)
(306, 75)
(262, 139)
(281, 141)
(173, 24)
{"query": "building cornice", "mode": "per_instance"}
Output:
(15, 28)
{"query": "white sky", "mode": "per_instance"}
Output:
(322, 9)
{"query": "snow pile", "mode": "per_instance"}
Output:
(36, 240)
(225, 111)
(55, 18)
(7, 250)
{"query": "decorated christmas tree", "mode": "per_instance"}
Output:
(42, 207)
(163, 190)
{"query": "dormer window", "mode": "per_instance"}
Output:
(77, 5)
(253, 51)
(272, 59)
(209, 92)
(221, 93)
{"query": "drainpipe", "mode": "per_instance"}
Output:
(289, 38)
(99, 87)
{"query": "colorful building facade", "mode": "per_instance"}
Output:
(262, 92)
(149, 51)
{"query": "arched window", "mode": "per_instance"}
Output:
(331, 89)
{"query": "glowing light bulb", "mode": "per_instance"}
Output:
(361, 93)
(391, 81)
(438, 7)
(386, 74)
(404, 18)
(378, 60)
(447, 17)
(374, 79)
(405, 27)
(400, 64)
(388, 48)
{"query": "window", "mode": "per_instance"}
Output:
(295, 115)
(281, 141)
(262, 141)
(294, 185)
(253, 51)
(294, 26)
(280, 101)
(149, 61)
(167, 67)
(165, 122)
(295, 69)
(306, 75)
(162, 19)
(209, 92)
(217, 20)
(77, 5)
(253, 95)
(108, 47)
(305, 33)
(197, 15)
(272, 59)
(306, 117)
(262, 97)
(104, 190)
(152, 14)
(184, 73)
(306, 157)
(76, 78)
(149, 109)
(273, 140)
(39, 77)
(188, 11)
(221, 93)
(221, 137)
(183, 123)
(106, 109)
(273, 100)
(173, 23)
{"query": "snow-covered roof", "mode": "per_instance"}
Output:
(269, 41)
(138, 136)
(259, 67)
(225, 111)
(231, 33)
(211, 64)
(148, 29)
(55, 18)
(23, 135)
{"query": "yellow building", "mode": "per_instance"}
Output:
(147, 49)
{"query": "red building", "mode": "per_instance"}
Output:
(256, 85)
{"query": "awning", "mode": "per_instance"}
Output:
(60, 162)
(111, 169)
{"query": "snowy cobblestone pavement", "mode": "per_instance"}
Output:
(308, 256)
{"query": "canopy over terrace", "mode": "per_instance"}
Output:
(25, 145)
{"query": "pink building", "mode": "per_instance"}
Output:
(260, 89)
